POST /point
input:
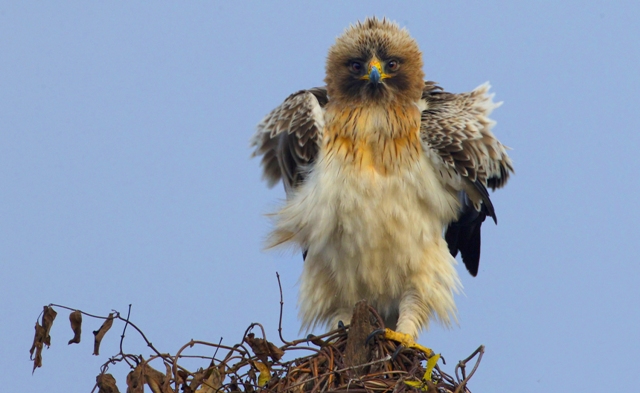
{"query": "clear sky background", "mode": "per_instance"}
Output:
(126, 177)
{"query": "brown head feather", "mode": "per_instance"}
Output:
(384, 40)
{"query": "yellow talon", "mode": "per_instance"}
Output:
(407, 341)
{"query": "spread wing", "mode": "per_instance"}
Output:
(456, 135)
(288, 137)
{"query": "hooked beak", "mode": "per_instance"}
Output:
(375, 74)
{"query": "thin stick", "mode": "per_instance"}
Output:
(126, 323)
(281, 307)
(462, 365)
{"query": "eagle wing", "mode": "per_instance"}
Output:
(456, 135)
(289, 136)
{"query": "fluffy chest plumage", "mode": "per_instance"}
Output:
(370, 216)
(380, 198)
(372, 162)
(371, 206)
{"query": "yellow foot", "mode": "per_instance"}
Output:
(406, 341)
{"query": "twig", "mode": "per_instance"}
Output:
(126, 323)
(281, 307)
(384, 359)
(462, 365)
(215, 352)
(84, 313)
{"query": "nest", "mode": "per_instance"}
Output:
(350, 358)
(344, 361)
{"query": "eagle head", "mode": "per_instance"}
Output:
(374, 61)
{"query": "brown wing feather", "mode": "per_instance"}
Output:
(288, 137)
(456, 134)
(457, 128)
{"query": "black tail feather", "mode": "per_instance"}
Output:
(464, 235)
(466, 239)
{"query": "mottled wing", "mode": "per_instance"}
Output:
(288, 137)
(456, 135)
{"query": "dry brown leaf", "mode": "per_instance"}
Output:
(145, 374)
(38, 338)
(167, 376)
(182, 378)
(263, 348)
(196, 380)
(99, 334)
(48, 316)
(37, 361)
(106, 384)
(135, 382)
(155, 379)
(212, 383)
(75, 318)
(37, 347)
(41, 336)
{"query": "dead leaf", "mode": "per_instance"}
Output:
(48, 316)
(41, 336)
(263, 348)
(167, 377)
(431, 364)
(135, 381)
(38, 338)
(182, 379)
(75, 318)
(145, 374)
(196, 379)
(265, 373)
(106, 384)
(213, 381)
(37, 347)
(99, 334)
(154, 378)
(37, 361)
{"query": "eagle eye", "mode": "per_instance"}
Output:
(355, 66)
(393, 65)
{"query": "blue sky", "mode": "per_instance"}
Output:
(127, 179)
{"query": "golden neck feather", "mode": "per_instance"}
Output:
(381, 139)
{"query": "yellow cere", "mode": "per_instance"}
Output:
(375, 63)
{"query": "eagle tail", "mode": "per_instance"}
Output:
(464, 236)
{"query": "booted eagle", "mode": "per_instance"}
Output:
(386, 178)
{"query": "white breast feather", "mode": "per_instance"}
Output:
(375, 237)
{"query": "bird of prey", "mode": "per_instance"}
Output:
(386, 178)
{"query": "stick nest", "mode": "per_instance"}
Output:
(338, 361)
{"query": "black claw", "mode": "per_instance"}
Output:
(340, 325)
(397, 352)
(316, 340)
(374, 333)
